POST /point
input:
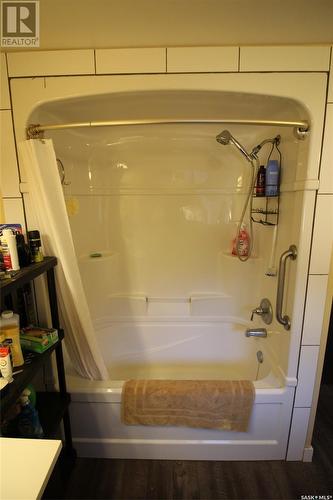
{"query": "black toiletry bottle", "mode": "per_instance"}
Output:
(23, 251)
(261, 178)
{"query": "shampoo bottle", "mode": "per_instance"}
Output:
(272, 178)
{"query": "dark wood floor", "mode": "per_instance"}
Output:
(164, 479)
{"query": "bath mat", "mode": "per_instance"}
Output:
(210, 404)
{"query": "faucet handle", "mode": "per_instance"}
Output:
(257, 310)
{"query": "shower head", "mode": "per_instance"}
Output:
(226, 138)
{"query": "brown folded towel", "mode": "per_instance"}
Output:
(212, 404)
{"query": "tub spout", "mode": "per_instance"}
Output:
(256, 332)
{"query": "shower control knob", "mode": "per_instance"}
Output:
(264, 311)
(258, 311)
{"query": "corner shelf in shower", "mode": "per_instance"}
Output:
(52, 406)
(231, 256)
(97, 256)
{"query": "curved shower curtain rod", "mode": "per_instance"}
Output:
(35, 131)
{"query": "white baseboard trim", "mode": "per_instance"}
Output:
(308, 454)
(179, 450)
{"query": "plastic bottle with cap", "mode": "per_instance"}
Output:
(9, 250)
(272, 178)
(23, 251)
(10, 330)
(260, 184)
(35, 246)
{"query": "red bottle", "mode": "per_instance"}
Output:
(260, 184)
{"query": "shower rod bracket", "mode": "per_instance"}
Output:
(34, 131)
(301, 133)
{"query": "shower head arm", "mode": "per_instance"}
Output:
(249, 156)
(225, 138)
(275, 141)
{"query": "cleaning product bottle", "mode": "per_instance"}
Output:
(7, 261)
(5, 364)
(243, 243)
(10, 329)
(272, 178)
(261, 178)
(8, 242)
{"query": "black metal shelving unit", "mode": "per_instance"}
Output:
(52, 406)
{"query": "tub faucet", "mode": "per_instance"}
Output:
(256, 332)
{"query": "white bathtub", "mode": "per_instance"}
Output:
(179, 350)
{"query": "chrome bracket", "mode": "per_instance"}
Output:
(301, 133)
(33, 131)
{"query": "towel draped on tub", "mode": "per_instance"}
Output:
(210, 404)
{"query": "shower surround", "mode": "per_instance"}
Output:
(153, 210)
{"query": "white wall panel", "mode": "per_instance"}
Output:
(298, 433)
(326, 168)
(306, 375)
(330, 87)
(288, 58)
(322, 235)
(203, 59)
(119, 61)
(31, 216)
(314, 309)
(4, 90)
(55, 62)
(8, 164)
(14, 211)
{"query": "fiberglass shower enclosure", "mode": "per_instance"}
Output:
(153, 210)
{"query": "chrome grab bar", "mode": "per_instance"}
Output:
(292, 253)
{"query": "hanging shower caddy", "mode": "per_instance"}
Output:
(267, 213)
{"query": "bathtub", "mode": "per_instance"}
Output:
(152, 349)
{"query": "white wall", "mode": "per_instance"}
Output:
(11, 203)
(68, 24)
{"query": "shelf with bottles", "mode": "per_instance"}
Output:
(24, 374)
(266, 193)
(52, 406)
